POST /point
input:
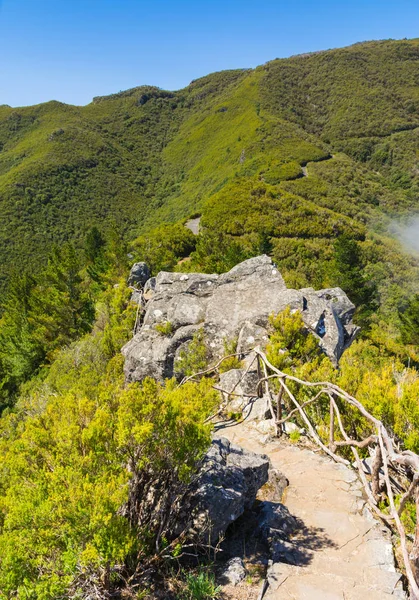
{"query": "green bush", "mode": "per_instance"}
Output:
(68, 467)
(201, 586)
(165, 328)
(295, 436)
(234, 362)
(290, 343)
(194, 357)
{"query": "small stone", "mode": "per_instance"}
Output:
(139, 274)
(266, 427)
(291, 428)
(234, 572)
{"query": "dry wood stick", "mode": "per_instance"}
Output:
(310, 426)
(303, 405)
(211, 369)
(375, 473)
(409, 572)
(332, 426)
(371, 499)
(269, 399)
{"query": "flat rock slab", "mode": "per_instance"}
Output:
(341, 551)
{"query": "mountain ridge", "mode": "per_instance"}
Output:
(132, 160)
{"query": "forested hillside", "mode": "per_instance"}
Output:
(129, 161)
(309, 160)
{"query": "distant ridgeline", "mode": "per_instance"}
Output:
(282, 159)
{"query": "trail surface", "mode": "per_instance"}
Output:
(342, 552)
(193, 225)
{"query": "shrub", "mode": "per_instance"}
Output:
(194, 357)
(87, 446)
(201, 586)
(234, 362)
(295, 436)
(290, 343)
(165, 328)
(164, 246)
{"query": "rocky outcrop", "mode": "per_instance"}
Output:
(234, 305)
(139, 274)
(226, 486)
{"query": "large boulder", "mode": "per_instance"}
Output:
(225, 487)
(234, 305)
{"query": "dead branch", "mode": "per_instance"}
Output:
(408, 494)
(375, 474)
(269, 399)
(310, 426)
(387, 452)
(409, 572)
(363, 444)
(211, 369)
(295, 410)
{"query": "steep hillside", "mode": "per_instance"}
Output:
(306, 160)
(145, 156)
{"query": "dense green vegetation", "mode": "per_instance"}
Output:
(46, 312)
(306, 159)
(133, 160)
(68, 452)
(367, 370)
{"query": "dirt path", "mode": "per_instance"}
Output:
(193, 225)
(304, 168)
(342, 553)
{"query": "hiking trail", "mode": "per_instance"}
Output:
(342, 552)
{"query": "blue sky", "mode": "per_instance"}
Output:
(72, 50)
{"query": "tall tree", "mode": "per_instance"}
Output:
(63, 308)
(348, 273)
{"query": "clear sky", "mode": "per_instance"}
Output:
(72, 50)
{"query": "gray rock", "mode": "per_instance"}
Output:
(234, 305)
(250, 336)
(193, 225)
(226, 486)
(234, 572)
(284, 551)
(136, 296)
(266, 427)
(257, 409)
(139, 274)
(149, 287)
(289, 427)
(277, 483)
(275, 521)
(155, 356)
(237, 386)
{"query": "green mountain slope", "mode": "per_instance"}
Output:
(308, 159)
(145, 156)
